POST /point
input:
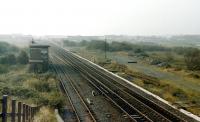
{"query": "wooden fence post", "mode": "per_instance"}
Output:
(26, 111)
(33, 110)
(19, 111)
(29, 111)
(4, 108)
(31, 116)
(23, 114)
(13, 113)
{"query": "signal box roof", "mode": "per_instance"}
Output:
(39, 46)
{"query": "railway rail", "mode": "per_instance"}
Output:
(134, 105)
(79, 106)
(137, 111)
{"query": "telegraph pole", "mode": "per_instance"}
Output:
(105, 49)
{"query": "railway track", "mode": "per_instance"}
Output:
(135, 106)
(134, 115)
(137, 111)
(79, 106)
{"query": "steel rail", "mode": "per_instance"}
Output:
(83, 102)
(131, 110)
(147, 101)
(143, 108)
(66, 92)
(174, 117)
(114, 101)
(78, 93)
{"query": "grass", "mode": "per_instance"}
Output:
(170, 90)
(45, 115)
(185, 99)
(32, 89)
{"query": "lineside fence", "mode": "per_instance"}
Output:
(13, 111)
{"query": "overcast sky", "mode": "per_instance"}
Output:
(99, 17)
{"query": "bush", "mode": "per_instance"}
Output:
(69, 43)
(120, 46)
(56, 100)
(22, 58)
(179, 93)
(19, 92)
(42, 86)
(5, 47)
(25, 93)
(138, 50)
(11, 59)
(8, 59)
(3, 69)
(97, 44)
(192, 59)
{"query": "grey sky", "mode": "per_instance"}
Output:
(99, 17)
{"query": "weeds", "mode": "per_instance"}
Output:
(172, 93)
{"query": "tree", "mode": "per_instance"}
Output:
(11, 59)
(69, 43)
(169, 56)
(138, 50)
(22, 58)
(83, 43)
(97, 44)
(192, 59)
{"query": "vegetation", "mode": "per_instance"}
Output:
(192, 59)
(182, 98)
(177, 57)
(3, 69)
(164, 73)
(70, 43)
(5, 48)
(36, 89)
(45, 115)
(11, 55)
(22, 58)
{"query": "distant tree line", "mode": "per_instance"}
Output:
(5, 48)
(191, 55)
(114, 45)
(12, 59)
(11, 55)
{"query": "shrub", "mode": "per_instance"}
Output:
(3, 69)
(22, 58)
(138, 50)
(69, 43)
(179, 93)
(42, 86)
(8, 59)
(192, 59)
(97, 44)
(5, 47)
(25, 93)
(56, 100)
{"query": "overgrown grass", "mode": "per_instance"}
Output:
(3, 69)
(38, 90)
(45, 115)
(182, 98)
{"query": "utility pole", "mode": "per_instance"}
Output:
(105, 49)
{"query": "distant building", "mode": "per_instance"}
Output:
(39, 57)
